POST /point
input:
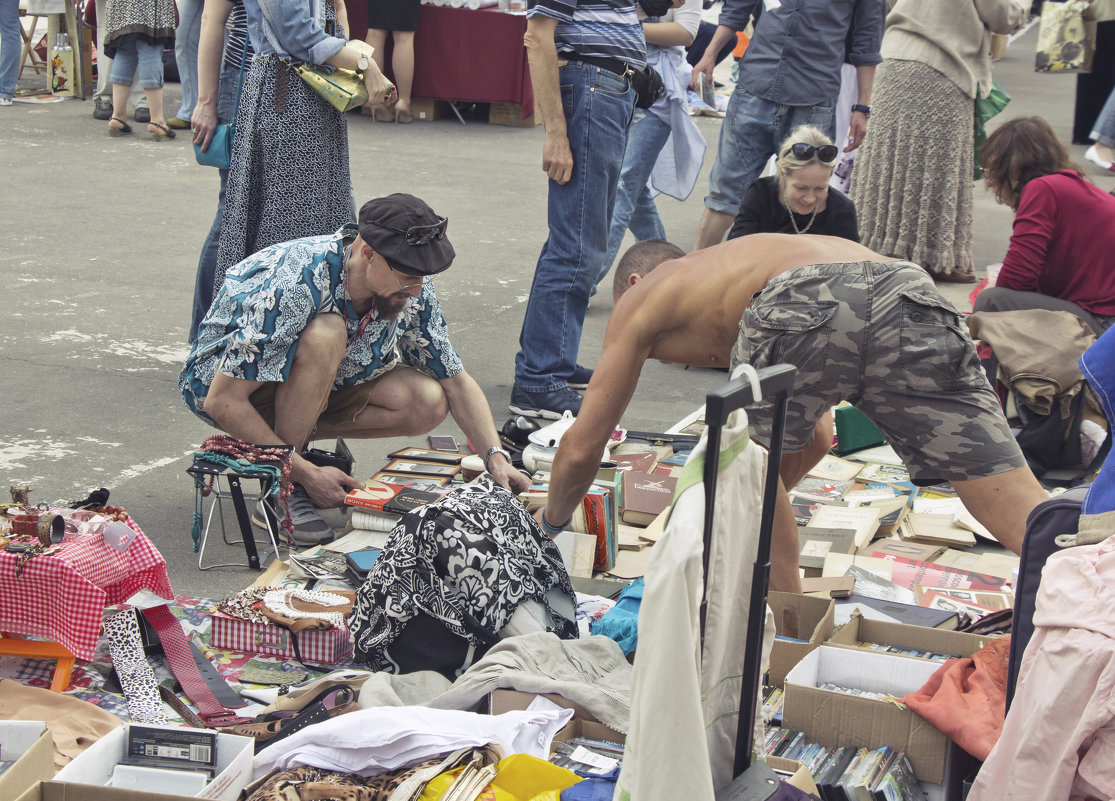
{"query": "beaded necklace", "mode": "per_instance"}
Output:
(241, 455)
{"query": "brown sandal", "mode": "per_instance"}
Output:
(268, 729)
(161, 134)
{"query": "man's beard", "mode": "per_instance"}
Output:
(390, 305)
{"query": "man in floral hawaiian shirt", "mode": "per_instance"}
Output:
(335, 335)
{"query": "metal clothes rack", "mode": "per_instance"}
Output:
(774, 383)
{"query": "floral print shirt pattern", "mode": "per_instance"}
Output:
(251, 331)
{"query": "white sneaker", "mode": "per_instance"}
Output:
(310, 528)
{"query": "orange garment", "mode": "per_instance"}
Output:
(966, 699)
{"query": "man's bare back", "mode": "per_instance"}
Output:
(692, 306)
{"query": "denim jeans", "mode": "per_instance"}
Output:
(752, 132)
(207, 262)
(104, 69)
(1103, 129)
(11, 47)
(635, 207)
(148, 57)
(598, 105)
(186, 37)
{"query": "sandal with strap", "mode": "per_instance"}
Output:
(121, 131)
(161, 134)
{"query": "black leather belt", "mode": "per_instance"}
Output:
(620, 68)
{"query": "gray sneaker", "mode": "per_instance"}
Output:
(142, 114)
(102, 108)
(310, 528)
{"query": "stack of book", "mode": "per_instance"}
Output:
(849, 773)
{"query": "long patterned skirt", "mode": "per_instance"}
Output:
(289, 175)
(912, 183)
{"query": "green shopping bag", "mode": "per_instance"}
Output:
(986, 108)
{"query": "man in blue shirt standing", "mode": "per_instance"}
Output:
(336, 335)
(789, 76)
(582, 54)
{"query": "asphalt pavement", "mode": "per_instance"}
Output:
(101, 239)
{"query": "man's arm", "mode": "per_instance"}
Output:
(472, 414)
(582, 446)
(557, 158)
(734, 17)
(209, 49)
(857, 127)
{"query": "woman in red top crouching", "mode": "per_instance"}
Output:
(1062, 250)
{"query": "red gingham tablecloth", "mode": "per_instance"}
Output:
(63, 596)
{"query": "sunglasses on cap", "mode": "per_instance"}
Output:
(824, 153)
(420, 234)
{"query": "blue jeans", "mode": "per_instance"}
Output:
(1104, 127)
(148, 57)
(634, 205)
(207, 262)
(598, 105)
(11, 47)
(186, 37)
(752, 132)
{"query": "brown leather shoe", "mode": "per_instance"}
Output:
(955, 278)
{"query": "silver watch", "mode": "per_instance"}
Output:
(362, 63)
(491, 452)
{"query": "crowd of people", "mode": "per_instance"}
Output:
(310, 316)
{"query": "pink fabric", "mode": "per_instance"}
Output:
(966, 698)
(63, 596)
(1058, 741)
(1064, 235)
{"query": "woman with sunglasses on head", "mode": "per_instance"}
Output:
(797, 199)
(912, 181)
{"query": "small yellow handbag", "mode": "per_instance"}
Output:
(343, 89)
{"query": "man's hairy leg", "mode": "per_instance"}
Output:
(1002, 503)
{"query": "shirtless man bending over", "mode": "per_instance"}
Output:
(858, 326)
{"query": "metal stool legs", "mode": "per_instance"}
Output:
(235, 492)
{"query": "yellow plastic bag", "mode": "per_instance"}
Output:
(521, 777)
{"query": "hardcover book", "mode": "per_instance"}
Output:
(909, 572)
(410, 498)
(864, 520)
(815, 543)
(645, 497)
(640, 462)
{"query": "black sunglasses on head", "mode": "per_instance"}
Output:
(420, 234)
(804, 152)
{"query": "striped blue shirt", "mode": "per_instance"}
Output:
(596, 28)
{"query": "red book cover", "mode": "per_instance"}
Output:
(596, 521)
(373, 495)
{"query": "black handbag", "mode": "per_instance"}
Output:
(340, 457)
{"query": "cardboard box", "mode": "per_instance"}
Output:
(512, 114)
(831, 718)
(802, 617)
(941, 641)
(799, 774)
(422, 109)
(30, 744)
(318, 646)
(583, 723)
(94, 767)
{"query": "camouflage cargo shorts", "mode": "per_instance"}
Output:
(881, 337)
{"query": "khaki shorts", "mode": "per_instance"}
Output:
(881, 337)
(342, 407)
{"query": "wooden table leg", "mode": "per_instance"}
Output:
(15, 645)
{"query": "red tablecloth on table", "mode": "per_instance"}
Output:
(63, 596)
(462, 54)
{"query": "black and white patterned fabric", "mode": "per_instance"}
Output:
(137, 678)
(289, 175)
(465, 564)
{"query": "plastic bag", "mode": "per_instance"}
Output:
(521, 777)
(986, 108)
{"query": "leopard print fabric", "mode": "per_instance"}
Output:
(137, 679)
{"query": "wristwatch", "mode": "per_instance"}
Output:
(362, 63)
(865, 110)
(491, 452)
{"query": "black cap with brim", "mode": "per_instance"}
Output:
(382, 219)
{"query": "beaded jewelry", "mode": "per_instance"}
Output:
(240, 455)
(279, 602)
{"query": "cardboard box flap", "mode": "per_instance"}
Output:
(920, 638)
(30, 744)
